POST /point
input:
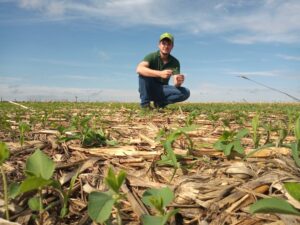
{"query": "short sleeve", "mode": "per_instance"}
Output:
(149, 58)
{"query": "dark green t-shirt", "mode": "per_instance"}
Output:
(156, 63)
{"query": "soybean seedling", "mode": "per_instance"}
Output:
(23, 128)
(169, 157)
(230, 143)
(158, 199)
(100, 204)
(39, 170)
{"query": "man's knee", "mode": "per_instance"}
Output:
(186, 93)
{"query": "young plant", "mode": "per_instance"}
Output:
(240, 118)
(213, 117)
(169, 157)
(230, 143)
(296, 145)
(96, 138)
(255, 133)
(282, 134)
(88, 136)
(226, 123)
(4, 155)
(276, 205)
(290, 121)
(39, 170)
(158, 199)
(44, 119)
(191, 118)
(268, 129)
(100, 204)
(67, 194)
(4, 124)
(23, 128)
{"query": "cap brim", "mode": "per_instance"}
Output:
(166, 38)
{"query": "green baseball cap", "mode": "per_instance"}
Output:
(167, 35)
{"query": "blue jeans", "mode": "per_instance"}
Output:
(152, 90)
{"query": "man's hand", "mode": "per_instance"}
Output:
(166, 73)
(178, 80)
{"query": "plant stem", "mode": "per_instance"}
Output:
(41, 207)
(119, 219)
(5, 193)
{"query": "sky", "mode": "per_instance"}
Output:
(61, 50)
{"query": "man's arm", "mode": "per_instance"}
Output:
(144, 70)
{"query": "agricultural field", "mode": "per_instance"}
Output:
(114, 163)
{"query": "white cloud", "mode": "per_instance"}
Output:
(56, 8)
(289, 57)
(31, 4)
(239, 21)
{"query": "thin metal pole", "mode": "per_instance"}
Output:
(273, 89)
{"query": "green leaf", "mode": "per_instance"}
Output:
(121, 178)
(111, 142)
(227, 135)
(63, 212)
(242, 133)
(295, 152)
(293, 189)
(163, 195)
(111, 180)
(158, 220)
(255, 123)
(33, 183)
(55, 184)
(23, 127)
(219, 145)
(273, 205)
(114, 181)
(166, 160)
(187, 129)
(228, 149)
(297, 129)
(40, 165)
(238, 147)
(170, 153)
(100, 206)
(34, 204)
(151, 220)
(4, 152)
(93, 139)
(13, 190)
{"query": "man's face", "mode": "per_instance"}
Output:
(165, 46)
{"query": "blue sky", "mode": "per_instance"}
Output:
(56, 50)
